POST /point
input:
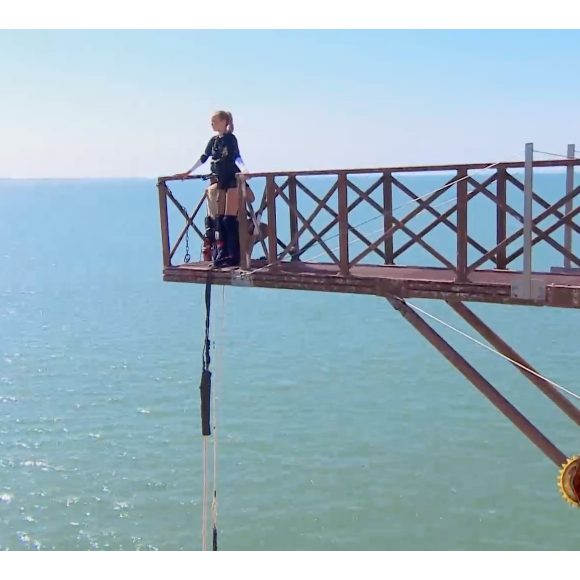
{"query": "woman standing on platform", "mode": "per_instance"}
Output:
(222, 195)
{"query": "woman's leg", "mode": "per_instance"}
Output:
(221, 250)
(229, 249)
(232, 204)
(211, 196)
(229, 245)
(212, 200)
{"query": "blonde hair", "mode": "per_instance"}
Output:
(228, 118)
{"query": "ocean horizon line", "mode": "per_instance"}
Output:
(518, 170)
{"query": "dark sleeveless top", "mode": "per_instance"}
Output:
(223, 151)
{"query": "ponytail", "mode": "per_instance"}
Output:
(230, 122)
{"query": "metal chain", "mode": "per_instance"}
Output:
(187, 256)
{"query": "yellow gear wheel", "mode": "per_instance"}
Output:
(565, 477)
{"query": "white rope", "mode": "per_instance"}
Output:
(216, 384)
(214, 505)
(204, 509)
(421, 197)
(558, 154)
(493, 350)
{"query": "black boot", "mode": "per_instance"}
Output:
(208, 239)
(220, 253)
(232, 227)
(228, 242)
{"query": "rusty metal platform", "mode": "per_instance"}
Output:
(495, 286)
(476, 264)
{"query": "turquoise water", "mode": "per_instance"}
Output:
(340, 427)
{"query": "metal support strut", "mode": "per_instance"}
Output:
(501, 346)
(569, 475)
(484, 386)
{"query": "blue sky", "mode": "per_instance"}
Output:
(137, 103)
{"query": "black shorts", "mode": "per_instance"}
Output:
(227, 182)
(225, 176)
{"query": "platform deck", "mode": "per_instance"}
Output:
(562, 290)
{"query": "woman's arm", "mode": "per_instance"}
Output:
(234, 152)
(240, 163)
(242, 167)
(203, 158)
